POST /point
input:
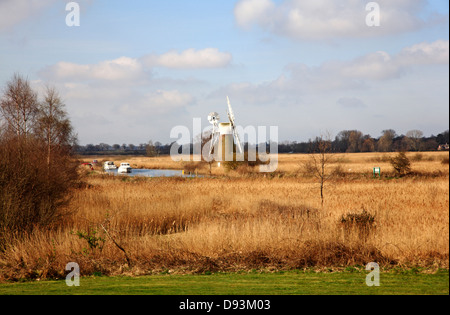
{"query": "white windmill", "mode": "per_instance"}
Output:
(226, 134)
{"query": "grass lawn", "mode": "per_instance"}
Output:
(288, 283)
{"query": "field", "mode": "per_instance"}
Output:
(243, 220)
(242, 284)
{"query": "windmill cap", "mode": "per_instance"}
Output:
(225, 129)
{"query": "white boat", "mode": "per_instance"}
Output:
(124, 168)
(109, 166)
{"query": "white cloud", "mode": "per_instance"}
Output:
(130, 98)
(189, 59)
(355, 75)
(13, 12)
(123, 68)
(125, 91)
(324, 19)
(380, 65)
(375, 66)
(126, 68)
(117, 112)
(426, 53)
(249, 12)
(156, 103)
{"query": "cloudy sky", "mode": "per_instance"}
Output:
(133, 70)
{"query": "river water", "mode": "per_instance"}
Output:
(150, 173)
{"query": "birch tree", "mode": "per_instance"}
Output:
(19, 107)
(53, 125)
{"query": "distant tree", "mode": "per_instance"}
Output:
(302, 147)
(384, 144)
(203, 140)
(355, 141)
(414, 138)
(90, 147)
(348, 141)
(342, 141)
(116, 147)
(368, 145)
(430, 145)
(405, 144)
(151, 150)
(104, 147)
(443, 138)
(283, 147)
(142, 146)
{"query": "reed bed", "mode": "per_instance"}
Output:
(293, 164)
(239, 222)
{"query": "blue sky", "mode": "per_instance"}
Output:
(133, 70)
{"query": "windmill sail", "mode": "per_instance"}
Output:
(214, 119)
(233, 126)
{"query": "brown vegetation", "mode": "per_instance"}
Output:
(243, 222)
(37, 170)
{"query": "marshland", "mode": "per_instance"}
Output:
(238, 219)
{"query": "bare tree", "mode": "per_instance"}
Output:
(414, 139)
(368, 145)
(53, 125)
(384, 144)
(349, 141)
(151, 150)
(203, 141)
(19, 106)
(319, 161)
(356, 139)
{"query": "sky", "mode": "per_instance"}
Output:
(133, 70)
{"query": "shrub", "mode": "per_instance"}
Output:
(363, 223)
(94, 242)
(242, 166)
(34, 194)
(401, 164)
(418, 157)
(192, 167)
(231, 165)
(339, 171)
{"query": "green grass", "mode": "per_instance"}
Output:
(288, 283)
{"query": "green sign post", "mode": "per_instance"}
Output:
(377, 171)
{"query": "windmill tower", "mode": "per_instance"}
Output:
(226, 135)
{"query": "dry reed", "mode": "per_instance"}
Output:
(239, 222)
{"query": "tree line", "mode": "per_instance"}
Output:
(352, 141)
(346, 141)
(148, 149)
